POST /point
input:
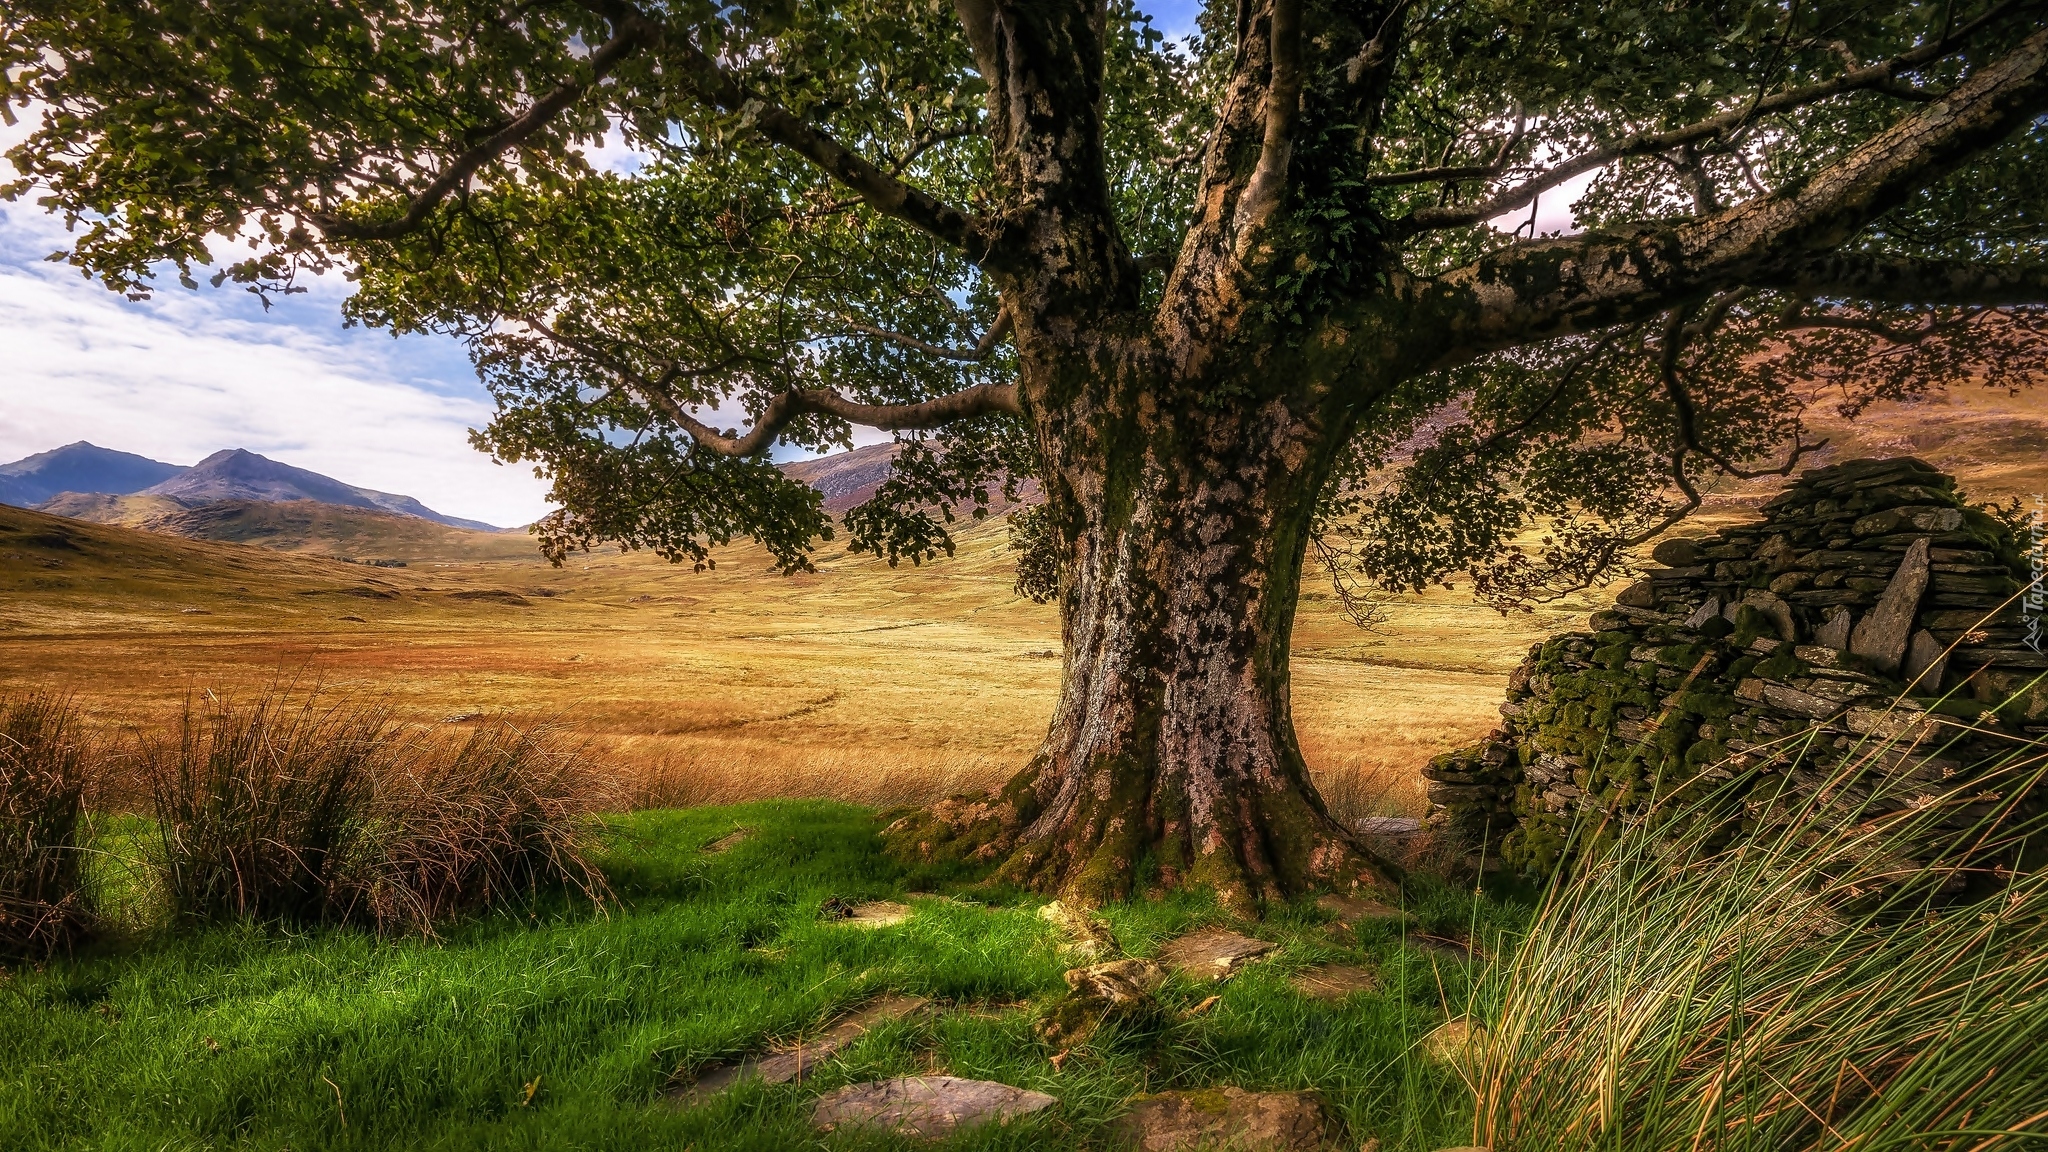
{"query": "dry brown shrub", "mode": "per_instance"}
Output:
(261, 808)
(47, 765)
(299, 812)
(497, 816)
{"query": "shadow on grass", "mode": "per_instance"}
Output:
(554, 1026)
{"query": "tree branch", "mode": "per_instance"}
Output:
(631, 32)
(974, 355)
(1881, 77)
(876, 187)
(1283, 108)
(980, 400)
(1908, 280)
(1547, 288)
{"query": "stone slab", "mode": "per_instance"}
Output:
(795, 1062)
(1334, 982)
(1226, 1118)
(1212, 953)
(1352, 909)
(1881, 636)
(729, 841)
(929, 1106)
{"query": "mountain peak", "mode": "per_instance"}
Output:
(239, 474)
(80, 466)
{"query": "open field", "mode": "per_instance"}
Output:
(859, 682)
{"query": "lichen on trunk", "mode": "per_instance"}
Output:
(1171, 752)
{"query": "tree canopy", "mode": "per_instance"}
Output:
(821, 209)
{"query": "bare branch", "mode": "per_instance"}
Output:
(974, 355)
(1880, 77)
(980, 400)
(631, 32)
(1283, 107)
(1678, 331)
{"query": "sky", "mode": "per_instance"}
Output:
(187, 373)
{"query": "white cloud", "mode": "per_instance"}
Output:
(188, 373)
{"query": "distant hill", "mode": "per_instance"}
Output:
(79, 467)
(239, 474)
(849, 478)
(323, 529)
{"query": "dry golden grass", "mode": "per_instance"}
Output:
(859, 682)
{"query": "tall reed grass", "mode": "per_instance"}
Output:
(294, 811)
(47, 766)
(496, 817)
(1849, 972)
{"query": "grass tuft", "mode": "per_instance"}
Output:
(1844, 974)
(500, 816)
(295, 812)
(261, 807)
(47, 765)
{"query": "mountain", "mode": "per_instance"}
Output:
(848, 478)
(327, 529)
(239, 474)
(79, 467)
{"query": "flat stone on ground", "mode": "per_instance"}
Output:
(877, 914)
(1458, 1043)
(1352, 909)
(928, 1106)
(794, 1063)
(729, 841)
(1219, 1118)
(1334, 982)
(1212, 953)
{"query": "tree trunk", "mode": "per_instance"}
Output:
(1171, 759)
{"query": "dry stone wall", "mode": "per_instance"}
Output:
(1870, 615)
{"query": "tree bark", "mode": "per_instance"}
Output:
(1171, 759)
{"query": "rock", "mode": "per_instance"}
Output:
(1334, 982)
(1704, 613)
(1676, 552)
(1926, 663)
(784, 1065)
(1882, 634)
(929, 1106)
(1116, 990)
(729, 841)
(870, 914)
(1796, 702)
(1086, 935)
(1641, 594)
(1775, 609)
(1897, 725)
(1777, 555)
(1226, 1118)
(1459, 1043)
(1835, 632)
(1389, 827)
(1352, 909)
(1212, 953)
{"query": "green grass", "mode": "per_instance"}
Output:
(252, 1038)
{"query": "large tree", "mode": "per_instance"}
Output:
(1216, 296)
